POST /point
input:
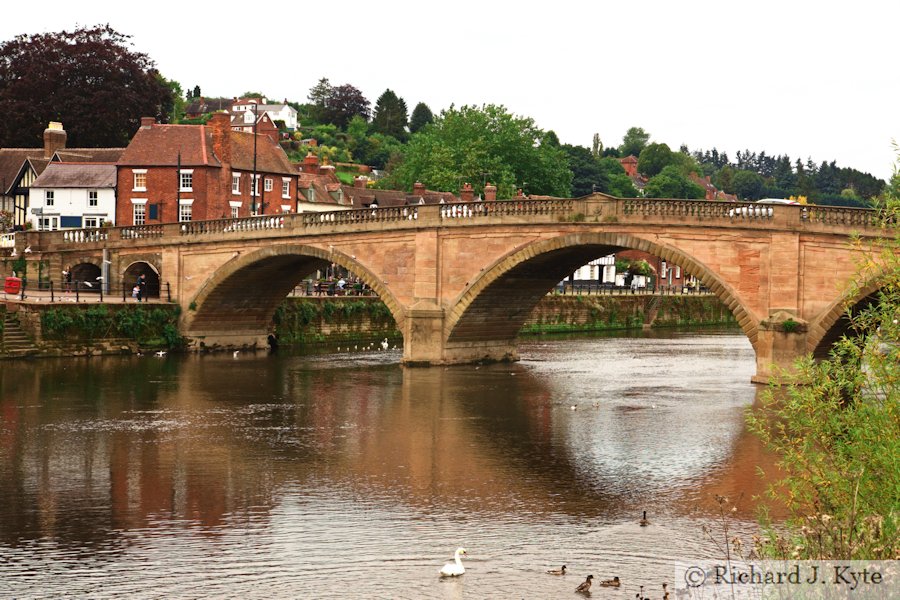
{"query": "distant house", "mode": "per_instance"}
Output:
(318, 188)
(73, 195)
(361, 196)
(19, 167)
(203, 106)
(176, 173)
(243, 121)
(711, 192)
(277, 112)
(630, 164)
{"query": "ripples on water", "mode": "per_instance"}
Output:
(345, 475)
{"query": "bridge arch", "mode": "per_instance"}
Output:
(502, 297)
(245, 292)
(833, 323)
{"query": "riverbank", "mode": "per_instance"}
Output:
(94, 329)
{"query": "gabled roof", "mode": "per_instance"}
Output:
(324, 185)
(77, 175)
(208, 105)
(270, 157)
(11, 162)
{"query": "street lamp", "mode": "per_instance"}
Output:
(254, 184)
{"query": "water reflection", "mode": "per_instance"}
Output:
(298, 471)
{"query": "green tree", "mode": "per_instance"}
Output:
(390, 116)
(89, 79)
(634, 141)
(421, 116)
(653, 158)
(835, 426)
(318, 95)
(587, 175)
(175, 109)
(670, 183)
(748, 185)
(617, 182)
(473, 143)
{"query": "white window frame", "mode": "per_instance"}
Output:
(236, 184)
(138, 211)
(285, 187)
(187, 174)
(143, 177)
(92, 222)
(255, 188)
(186, 210)
(93, 198)
(235, 209)
(49, 198)
(269, 185)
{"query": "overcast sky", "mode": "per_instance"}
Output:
(808, 79)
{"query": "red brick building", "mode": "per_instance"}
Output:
(172, 173)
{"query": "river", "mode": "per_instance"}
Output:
(345, 475)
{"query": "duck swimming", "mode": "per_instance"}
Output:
(586, 586)
(560, 571)
(614, 582)
(455, 568)
(644, 522)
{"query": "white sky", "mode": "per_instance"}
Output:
(805, 78)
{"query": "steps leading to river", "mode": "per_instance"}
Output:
(15, 341)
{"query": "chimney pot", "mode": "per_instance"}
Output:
(466, 194)
(490, 192)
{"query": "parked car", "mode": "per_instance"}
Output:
(776, 201)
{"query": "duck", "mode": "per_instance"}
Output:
(455, 568)
(614, 582)
(644, 522)
(586, 586)
(160, 353)
(560, 571)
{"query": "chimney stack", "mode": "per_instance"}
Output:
(220, 124)
(360, 181)
(147, 122)
(54, 138)
(490, 192)
(467, 194)
(311, 163)
(419, 189)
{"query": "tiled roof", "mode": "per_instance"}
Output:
(160, 145)
(270, 157)
(100, 155)
(77, 175)
(208, 105)
(323, 185)
(362, 198)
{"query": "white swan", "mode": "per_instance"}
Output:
(455, 568)
(384, 344)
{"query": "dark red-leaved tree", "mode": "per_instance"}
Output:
(88, 79)
(343, 103)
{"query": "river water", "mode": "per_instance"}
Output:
(345, 475)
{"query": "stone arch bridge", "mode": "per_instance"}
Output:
(460, 279)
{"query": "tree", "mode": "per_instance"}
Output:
(343, 103)
(596, 146)
(318, 95)
(671, 183)
(654, 158)
(835, 428)
(421, 116)
(748, 185)
(471, 144)
(174, 109)
(587, 175)
(88, 79)
(390, 116)
(617, 182)
(634, 141)
(196, 91)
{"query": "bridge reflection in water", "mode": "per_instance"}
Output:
(215, 474)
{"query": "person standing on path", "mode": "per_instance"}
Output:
(67, 278)
(141, 285)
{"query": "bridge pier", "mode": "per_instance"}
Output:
(424, 344)
(780, 341)
(225, 340)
